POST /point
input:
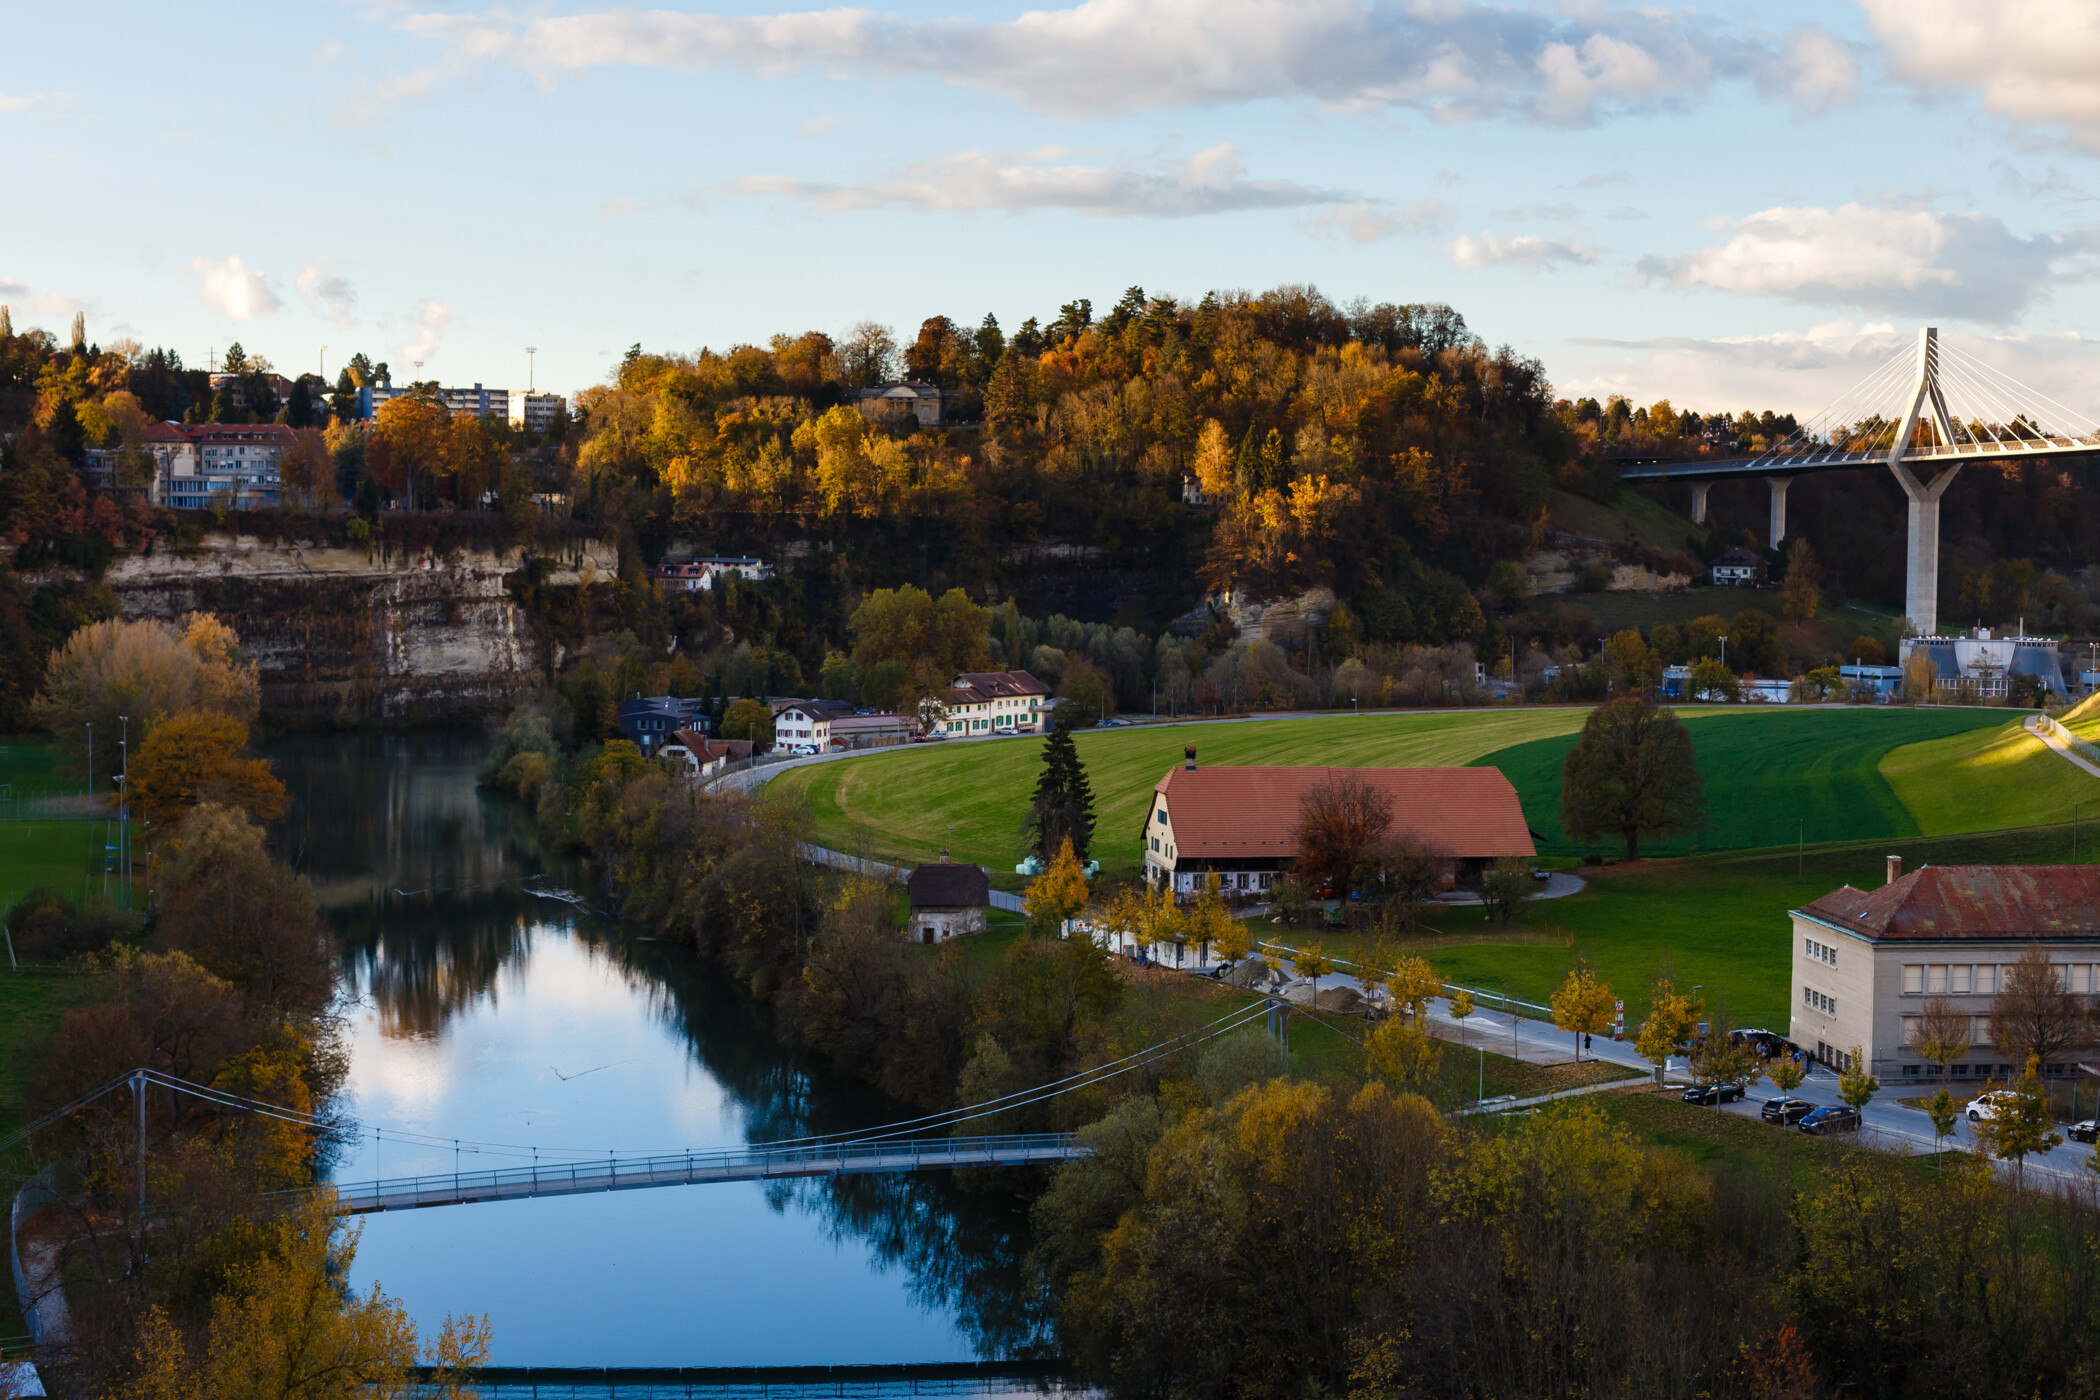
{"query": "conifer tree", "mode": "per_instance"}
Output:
(1063, 806)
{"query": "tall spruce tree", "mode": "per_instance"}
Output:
(1063, 805)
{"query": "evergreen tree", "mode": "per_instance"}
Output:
(1063, 807)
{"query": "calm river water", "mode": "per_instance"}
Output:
(484, 1012)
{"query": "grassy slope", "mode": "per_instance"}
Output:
(1986, 779)
(901, 806)
(1775, 775)
(1633, 518)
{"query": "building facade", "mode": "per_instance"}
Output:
(1241, 824)
(1735, 569)
(200, 466)
(535, 412)
(947, 901)
(699, 575)
(984, 703)
(653, 721)
(1984, 665)
(903, 402)
(1865, 962)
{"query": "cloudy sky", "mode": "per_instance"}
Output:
(1739, 205)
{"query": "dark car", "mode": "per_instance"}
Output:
(1710, 1094)
(1786, 1111)
(2087, 1131)
(1831, 1118)
(1767, 1044)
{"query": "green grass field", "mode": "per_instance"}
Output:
(1777, 776)
(971, 797)
(38, 851)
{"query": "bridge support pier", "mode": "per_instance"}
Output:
(1778, 527)
(1699, 490)
(1921, 561)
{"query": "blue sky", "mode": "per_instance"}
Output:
(1732, 206)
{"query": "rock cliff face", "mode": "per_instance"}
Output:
(339, 637)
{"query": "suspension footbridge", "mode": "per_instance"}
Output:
(1924, 414)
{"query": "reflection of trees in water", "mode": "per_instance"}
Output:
(373, 814)
(961, 1249)
(424, 959)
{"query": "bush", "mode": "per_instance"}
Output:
(46, 927)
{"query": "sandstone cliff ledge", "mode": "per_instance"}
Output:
(343, 638)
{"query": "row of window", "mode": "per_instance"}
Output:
(1979, 1030)
(1822, 952)
(1827, 1005)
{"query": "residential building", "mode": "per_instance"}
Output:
(983, 703)
(704, 757)
(196, 466)
(651, 721)
(695, 575)
(1736, 568)
(1865, 962)
(806, 723)
(1241, 824)
(947, 901)
(235, 388)
(534, 412)
(903, 401)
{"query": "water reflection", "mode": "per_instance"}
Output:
(486, 1013)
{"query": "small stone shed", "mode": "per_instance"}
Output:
(947, 901)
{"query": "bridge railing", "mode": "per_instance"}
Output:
(734, 1164)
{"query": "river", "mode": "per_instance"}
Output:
(513, 1022)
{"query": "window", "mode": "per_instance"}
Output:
(1936, 979)
(1162, 816)
(1811, 997)
(1960, 978)
(1913, 979)
(1987, 978)
(2081, 977)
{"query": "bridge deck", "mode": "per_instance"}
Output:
(1932, 458)
(693, 1168)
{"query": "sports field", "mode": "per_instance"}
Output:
(37, 850)
(1773, 776)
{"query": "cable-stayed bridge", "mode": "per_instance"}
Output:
(1924, 414)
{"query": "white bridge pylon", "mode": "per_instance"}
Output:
(1925, 413)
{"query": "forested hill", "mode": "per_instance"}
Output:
(1256, 443)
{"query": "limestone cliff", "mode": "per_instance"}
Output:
(342, 637)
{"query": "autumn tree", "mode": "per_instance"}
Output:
(244, 916)
(1634, 666)
(2035, 1015)
(110, 674)
(1632, 774)
(1338, 818)
(407, 439)
(1857, 1085)
(908, 625)
(1672, 1022)
(1059, 892)
(1939, 1033)
(192, 758)
(1582, 1005)
(1506, 885)
(1797, 595)
(749, 719)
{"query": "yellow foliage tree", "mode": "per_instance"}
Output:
(1403, 1054)
(1673, 1019)
(190, 758)
(1059, 892)
(1414, 984)
(1582, 1005)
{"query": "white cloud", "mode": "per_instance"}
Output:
(2036, 62)
(425, 327)
(229, 288)
(20, 102)
(1526, 250)
(328, 295)
(1594, 182)
(1368, 221)
(1802, 371)
(1816, 71)
(1458, 59)
(1885, 259)
(821, 126)
(1208, 182)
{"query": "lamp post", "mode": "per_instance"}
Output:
(530, 351)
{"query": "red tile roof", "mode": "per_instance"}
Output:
(1220, 813)
(1985, 902)
(978, 687)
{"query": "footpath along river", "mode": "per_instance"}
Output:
(482, 1008)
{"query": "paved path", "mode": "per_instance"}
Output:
(2044, 729)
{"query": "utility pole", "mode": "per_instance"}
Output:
(530, 351)
(138, 1099)
(324, 364)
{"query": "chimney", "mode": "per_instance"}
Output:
(944, 855)
(1895, 869)
(1188, 758)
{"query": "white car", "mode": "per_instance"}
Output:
(1985, 1107)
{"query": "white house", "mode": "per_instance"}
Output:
(983, 703)
(1736, 568)
(802, 723)
(697, 575)
(902, 401)
(947, 901)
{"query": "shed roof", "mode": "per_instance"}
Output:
(977, 687)
(1737, 558)
(1469, 813)
(948, 886)
(1936, 903)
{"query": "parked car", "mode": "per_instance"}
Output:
(1768, 1044)
(1711, 1094)
(1831, 1118)
(2087, 1130)
(1786, 1112)
(1985, 1107)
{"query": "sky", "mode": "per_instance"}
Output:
(1731, 206)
